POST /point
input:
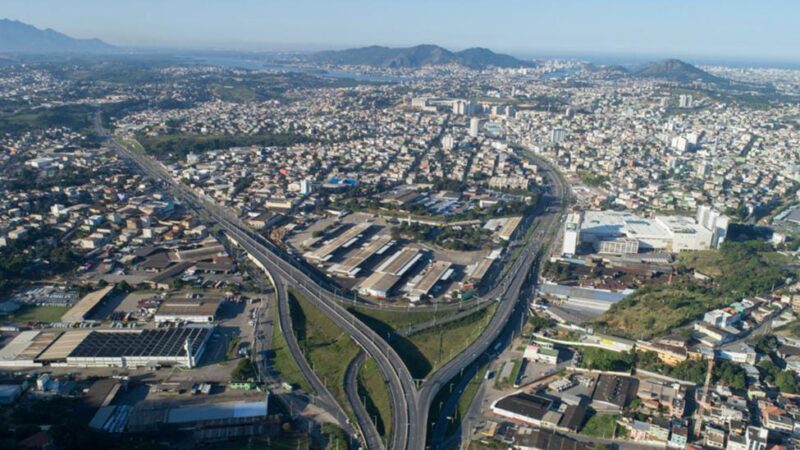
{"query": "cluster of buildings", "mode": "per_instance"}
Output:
(623, 232)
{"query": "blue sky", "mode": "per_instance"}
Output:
(766, 29)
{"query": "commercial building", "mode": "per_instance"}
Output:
(537, 353)
(572, 230)
(621, 232)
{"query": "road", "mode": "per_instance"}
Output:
(370, 432)
(511, 287)
(410, 408)
(272, 260)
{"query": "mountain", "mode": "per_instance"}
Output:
(20, 37)
(607, 71)
(675, 70)
(415, 57)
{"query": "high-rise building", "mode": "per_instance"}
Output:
(685, 101)
(460, 107)
(306, 186)
(714, 221)
(448, 142)
(474, 126)
(572, 232)
(680, 143)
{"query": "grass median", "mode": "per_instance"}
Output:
(427, 350)
(283, 362)
(326, 347)
(372, 389)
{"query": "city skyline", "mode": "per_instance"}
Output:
(711, 30)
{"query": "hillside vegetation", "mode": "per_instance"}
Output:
(739, 269)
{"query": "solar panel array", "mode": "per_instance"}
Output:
(164, 342)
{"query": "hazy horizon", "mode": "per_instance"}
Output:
(711, 29)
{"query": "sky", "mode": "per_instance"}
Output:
(722, 29)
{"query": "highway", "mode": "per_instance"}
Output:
(368, 429)
(410, 408)
(270, 259)
(519, 273)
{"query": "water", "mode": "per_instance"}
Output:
(236, 62)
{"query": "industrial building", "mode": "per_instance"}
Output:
(81, 311)
(422, 285)
(351, 266)
(385, 277)
(541, 411)
(188, 310)
(623, 232)
(107, 348)
(344, 240)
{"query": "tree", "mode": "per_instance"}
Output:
(786, 381)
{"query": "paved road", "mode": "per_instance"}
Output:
(370, 432)
(410, 408)
(511, 287)
(272, 260)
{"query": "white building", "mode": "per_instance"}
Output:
(616, 231)
(572, 230)
(715, 222)
(474, 126)
(448, 143)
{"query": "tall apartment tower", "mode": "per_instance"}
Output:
(572, 234)
(474, 126)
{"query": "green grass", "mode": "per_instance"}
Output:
(433, 348)
(37, 314)
(398, 320)
(657, 310)
(283, 362)
(601, 426)
(326, 347)
(372, 387)
(75, 117)
(233, 347)
(234, 93)
(335, 437)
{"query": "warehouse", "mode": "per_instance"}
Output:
(540, 411)
(81, 311)
(127, 348)
(423, 284)
(344, 240)
(16, 353)
(188, 310)
(352, 265)
(385, 277)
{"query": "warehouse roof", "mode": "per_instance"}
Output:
(217, 411)
(159, 342)
(81, 309)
